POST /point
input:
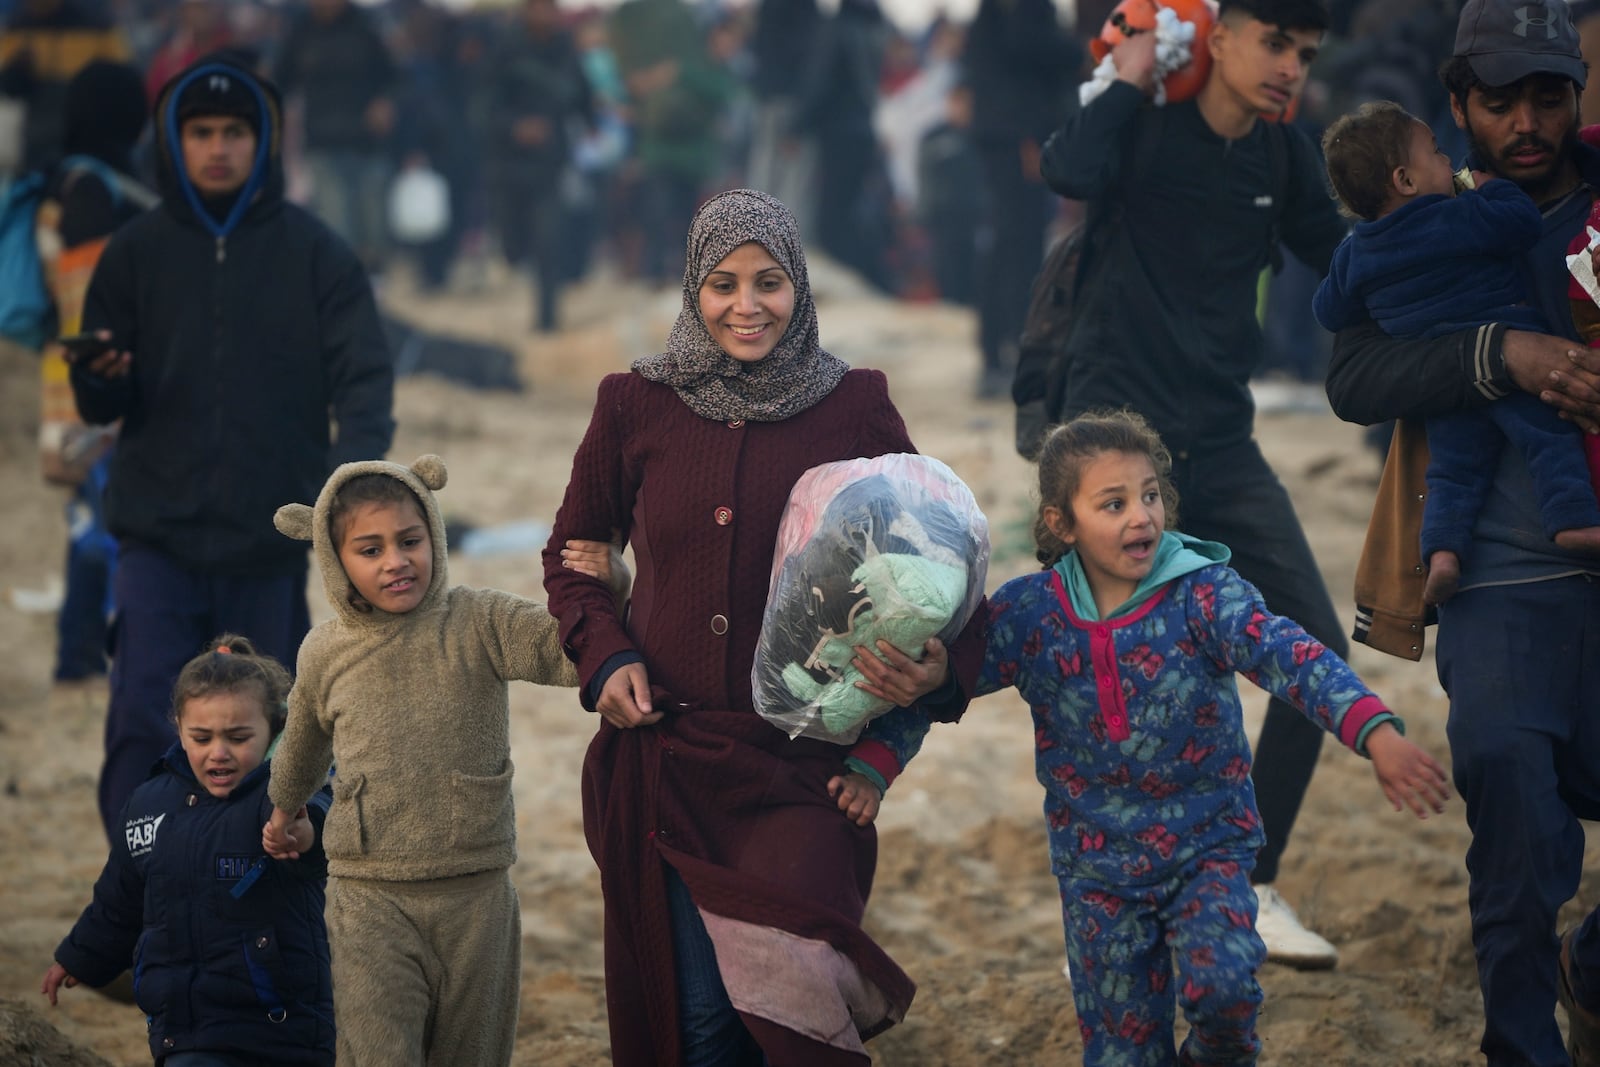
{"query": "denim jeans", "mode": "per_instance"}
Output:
(710, 1029)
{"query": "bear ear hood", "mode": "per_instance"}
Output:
(315, 524)
(294, 520)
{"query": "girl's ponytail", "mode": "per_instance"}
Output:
(231, 664)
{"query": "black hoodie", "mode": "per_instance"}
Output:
(250, 323)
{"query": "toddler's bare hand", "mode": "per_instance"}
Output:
(286, 836)
(858, 798)
(54, 979)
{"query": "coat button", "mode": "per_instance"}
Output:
(167, 1042)
(719, 624)
(193, 800)
(261, 942)
(723, 515)
(734, 424)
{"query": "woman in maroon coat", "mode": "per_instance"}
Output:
(735, 862)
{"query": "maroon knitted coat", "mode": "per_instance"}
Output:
(740, 810)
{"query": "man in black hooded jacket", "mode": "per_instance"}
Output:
(235, 324)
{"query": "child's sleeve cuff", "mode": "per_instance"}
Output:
(1365, 716)
(874, 761)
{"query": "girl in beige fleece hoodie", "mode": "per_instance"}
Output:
(404, 693)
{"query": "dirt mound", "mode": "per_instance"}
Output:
(27, 1040)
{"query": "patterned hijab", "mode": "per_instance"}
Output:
(789, 379)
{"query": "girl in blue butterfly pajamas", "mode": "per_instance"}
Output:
(1125, 649)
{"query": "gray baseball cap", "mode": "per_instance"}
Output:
(1507, 40)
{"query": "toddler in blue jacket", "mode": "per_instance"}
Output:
(1423, 262)
(228, 948)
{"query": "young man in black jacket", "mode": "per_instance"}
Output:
(1190, 200)
(235, 323)
(1519, 644)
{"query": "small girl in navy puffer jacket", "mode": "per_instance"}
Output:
(228, 948)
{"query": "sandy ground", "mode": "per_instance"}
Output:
(964, 898)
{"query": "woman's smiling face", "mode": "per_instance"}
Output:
(746, 302)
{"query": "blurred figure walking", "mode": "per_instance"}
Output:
(783, 161)
(534, 95)
(676, 94)
(336, 62)
(1021, 66)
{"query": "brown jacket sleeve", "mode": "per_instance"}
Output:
(1390, 614)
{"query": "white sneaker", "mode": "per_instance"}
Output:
(1287, 941)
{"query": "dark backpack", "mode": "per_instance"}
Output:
(1059, 289)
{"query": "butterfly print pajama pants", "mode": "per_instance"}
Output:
(1136, 952)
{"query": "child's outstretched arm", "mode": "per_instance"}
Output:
(1278, 655)
(1407, 774)
(287, 837)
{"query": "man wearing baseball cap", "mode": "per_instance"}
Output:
(1519, 646)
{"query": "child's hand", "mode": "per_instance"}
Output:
(858, 797)
(54, 979)
(894, 676)
(1408, 775)
(286, 836)
(602, 560)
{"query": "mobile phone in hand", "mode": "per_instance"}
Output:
(81, 346)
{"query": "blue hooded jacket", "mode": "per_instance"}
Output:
(249, 322)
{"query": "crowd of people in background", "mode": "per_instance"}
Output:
(935, 165)
(561, 137)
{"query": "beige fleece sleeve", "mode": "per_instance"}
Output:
(522, 638)
(305, 751)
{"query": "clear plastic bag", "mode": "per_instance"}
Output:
(892, 547)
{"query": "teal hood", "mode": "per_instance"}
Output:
(1177, 554)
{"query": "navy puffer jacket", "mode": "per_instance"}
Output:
(228, 948)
